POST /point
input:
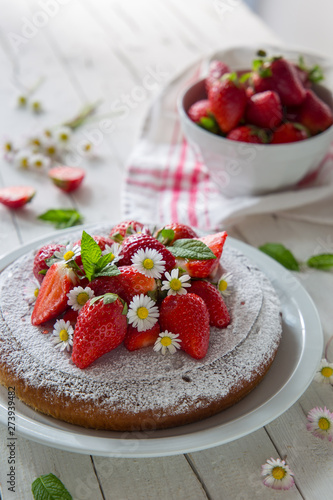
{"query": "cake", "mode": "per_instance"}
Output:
(142, 389)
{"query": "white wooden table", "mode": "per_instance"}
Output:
(88, 50)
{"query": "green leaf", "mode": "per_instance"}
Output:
(90, 253)
(281, 254)
(109, 298)
(323, 261)
(62, 218)
(104, 260)
(42, 272)
(109, 270)
(165, 236)
(245, 77)
(209, 123)
(49, 487)
(191, 249)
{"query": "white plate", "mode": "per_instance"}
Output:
(291, 373)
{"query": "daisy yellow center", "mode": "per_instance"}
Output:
(47, 133)
(36, 292)
(223, 285)
(8, 146)
(35, 142)
(327, 372)
(87, 147)
(63, 335)
(22, 100)
(64, 137)
(278, 473)
(142, 312)
(324, 424)
(148, 264)
(166, 341)
(38, 163)
(68, 255)
(24, 162)
(175, 284)
(82, 298)
(51, 150)
(112, 257)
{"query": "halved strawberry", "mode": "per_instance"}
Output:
(137, 340)
(218, 312)
(52, 297)
(187, 315)
(45, 252)
(205, 268)
(101, 326)
(137, 241)
(67, 178)
(16, 196)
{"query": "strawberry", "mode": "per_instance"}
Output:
(261, 83)
(16, 196)
(198, 110)
(124, 229)
(228, 101)
(67, 178)
(44, 253)
(216, 70)
(187, 315)
(181, 231)
(137, 340)
(133, 243)
(248, 133)
(264, 109)
(289, 132)
(71, 316)
(314, 113)
(218, 312)
(52, 297)
(286, 82)
(100, 328)
(204, 268)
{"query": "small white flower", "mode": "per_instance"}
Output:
(149, 262)
(324, 374)
(31, 291)
(22, 158)
(63, 335)
(142, 312)
(50, 148)
(79, 296)
(175, 284)
(277, 474)
(63, 136)
(167, 342)
(39, 161)
(36, 106)
(321, 423)
(86, 148)
(114, 250)
(67, 254)
(224, 284)
(21, 101)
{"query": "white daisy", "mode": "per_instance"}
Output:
(324, 373)
(36, 107)
(51, 148)
(114, 250)
(79, 296)
(35, 143)
(63, 335)
(149, 262)
(21, 101)
(167, 342)
(67, 254)
(21, 159)
(277, 474)
(224, 284)
(142, 312)
(39, 161)
(321, 423)
(31, 291)
(175, 284)
(63, 136)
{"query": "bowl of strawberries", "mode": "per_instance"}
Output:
(260, 123)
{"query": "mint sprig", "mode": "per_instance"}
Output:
(62, 217)
(165, 236)
(49, 487)
(323, 262)
(191, 249)
(281, 254)
(94, 263)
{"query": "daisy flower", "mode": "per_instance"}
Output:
(114, 250)
(149, 262)
(39, 161)
(277, 474)
(8, 149)
(36, 107)
(167, 342)
(324, 373)
(175, 284)
(21, 159)
(63, 136)
(31, 291)
(63, 335)
(67, 254)
(21, 100)
(142, 312)
(35, 142)
(79, 296)
(224, 284)
(320, 423)
(50, 148)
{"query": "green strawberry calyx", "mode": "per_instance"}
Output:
(110, 298)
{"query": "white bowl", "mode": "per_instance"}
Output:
(240, 168)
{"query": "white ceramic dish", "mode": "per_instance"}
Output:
(240, 168)
(291, 373)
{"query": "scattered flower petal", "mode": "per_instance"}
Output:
(277, 474)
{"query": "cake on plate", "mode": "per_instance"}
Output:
(133, 330)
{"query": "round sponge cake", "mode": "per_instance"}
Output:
(138, 390)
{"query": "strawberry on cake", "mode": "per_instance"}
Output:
(135, 328)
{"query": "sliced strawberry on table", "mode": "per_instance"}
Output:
(67, 178)
(125, 229)
(52, 296)
(215, 71)
(187, 315)
(16, 196)
(314, 113)
(289, 132)
(45, 252)
(144, 241)
(248, 133)
(264, 109)
(101, 327)
(218, 312)
(205, 268)
(137, 340)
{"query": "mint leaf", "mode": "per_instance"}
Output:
(323, 261)
(49, 487)
(62, 218)
(109, 298)
(90, 253)
(191, 249)
(104, 260)
(281, 254)
(165, 236)
(109, 270)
